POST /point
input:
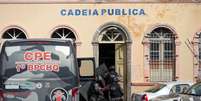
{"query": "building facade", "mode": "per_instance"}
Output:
(146, 42)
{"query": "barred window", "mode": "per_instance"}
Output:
(199, 53)
(169, 50)
(162, 54)
(154, 51)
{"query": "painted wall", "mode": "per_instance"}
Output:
(39, 20)
(67, 1)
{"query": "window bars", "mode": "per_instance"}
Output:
(112, 35)
(14, 33)
(162, 55)
(63, 33)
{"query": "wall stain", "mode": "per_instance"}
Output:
(132, 25)
(162, 13)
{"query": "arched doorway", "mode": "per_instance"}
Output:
(112, 46)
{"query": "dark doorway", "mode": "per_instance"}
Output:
(107, 54)
(112, 46)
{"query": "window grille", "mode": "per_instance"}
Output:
(199, 53)
(112, 35)
(63, 33)
(14, 33)
(162, 55)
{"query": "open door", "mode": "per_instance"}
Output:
(114, 54)
(120, 54)
(120, 59)
(87, 76)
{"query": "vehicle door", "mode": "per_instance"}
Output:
(179, 88)
(87, 76)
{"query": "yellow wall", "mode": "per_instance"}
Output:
(39, 20)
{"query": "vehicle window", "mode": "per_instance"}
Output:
(195, 90)
(63, 49)
(180, 88)
(156, 88)
(38, 60)
(86, 68)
